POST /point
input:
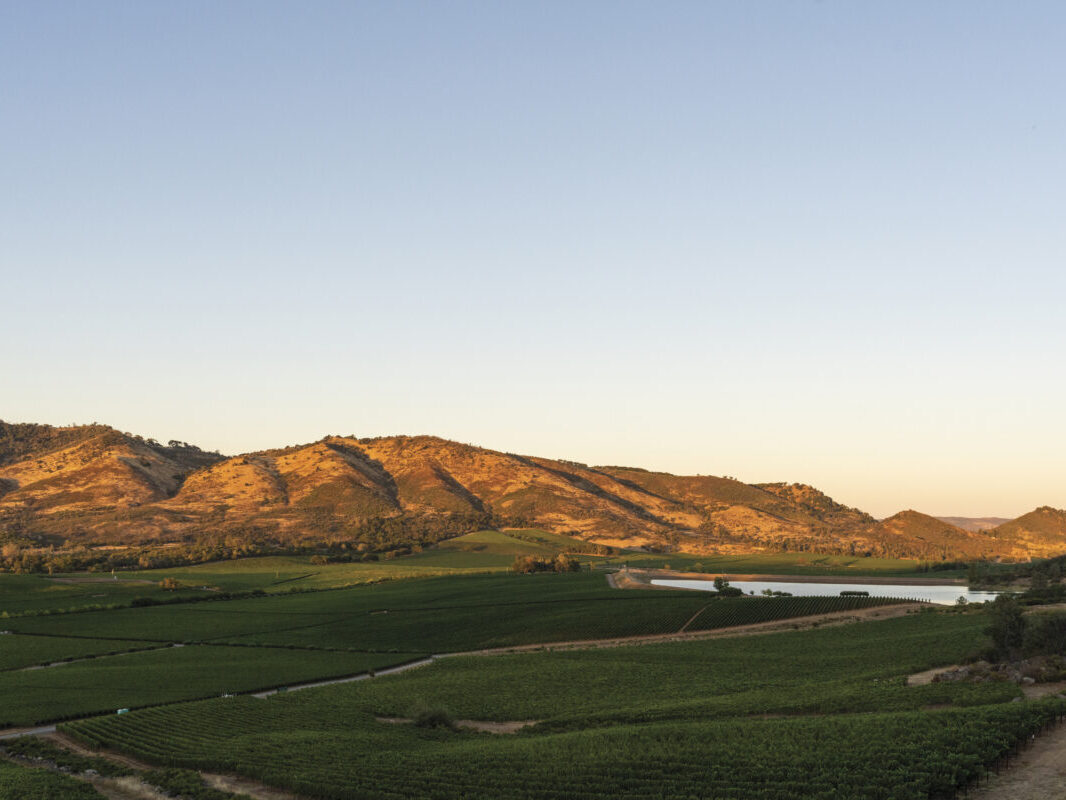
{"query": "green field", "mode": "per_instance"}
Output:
(897, 756)
(822, 713)
(19, 652)
(672, 720)
(21, 594)
(26, 783)
(165, 676)
(829, 669)
(240, 645)
(483, 551)
(434, 615)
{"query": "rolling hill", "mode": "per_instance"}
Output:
(1041, 532)
(932, 538)
(96, 486)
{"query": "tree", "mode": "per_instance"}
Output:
(1046, 635)
(720, 583)
(1054, 572)
(1039, 580)
(1008, 627)
(566, 563)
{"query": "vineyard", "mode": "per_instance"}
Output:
(823, 712)
(830, 670)
(727, 613)
(241, 645)
(897, 756)
(164, 676)
(436, 615)
(671, 720)
(18, 652)
(24, 783)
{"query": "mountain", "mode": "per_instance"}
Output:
(89, 468)
(96, 486)
(1041, 532)
(932, 538)
(974, 523)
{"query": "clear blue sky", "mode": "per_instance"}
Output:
(817, 242)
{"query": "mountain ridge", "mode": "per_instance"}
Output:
(96, 486)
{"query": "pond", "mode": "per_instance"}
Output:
(942, 594)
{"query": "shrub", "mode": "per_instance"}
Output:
(1045, 634)
(1007, 628)
(561, 563)
(434, 718)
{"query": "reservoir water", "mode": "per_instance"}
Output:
(943, 594)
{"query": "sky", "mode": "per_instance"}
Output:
(816, 242)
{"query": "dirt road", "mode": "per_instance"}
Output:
(756, 629)
(1038, 773)
(228, 783)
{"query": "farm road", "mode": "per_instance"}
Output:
(362, 676)
(228, 783)
(1038, 773)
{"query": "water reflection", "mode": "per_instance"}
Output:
(942, 594)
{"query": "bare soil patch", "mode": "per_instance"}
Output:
(625, 580)
(239, 785)
(926, 677)
(484, 726)
(124, 788)
(68, 743)
(1035, 691)
(229, 783)
(127, 788)
(87, 579)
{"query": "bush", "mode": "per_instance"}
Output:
(1008, 627)
(561, 563)
(434, 718)
(1045, 634)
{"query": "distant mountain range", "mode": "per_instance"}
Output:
(94, 485)
(975, 523)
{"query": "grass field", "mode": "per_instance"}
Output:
(674, 720)
(20, 594)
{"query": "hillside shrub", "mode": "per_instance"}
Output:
(433, 718)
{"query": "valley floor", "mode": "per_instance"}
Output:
(600, 692)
